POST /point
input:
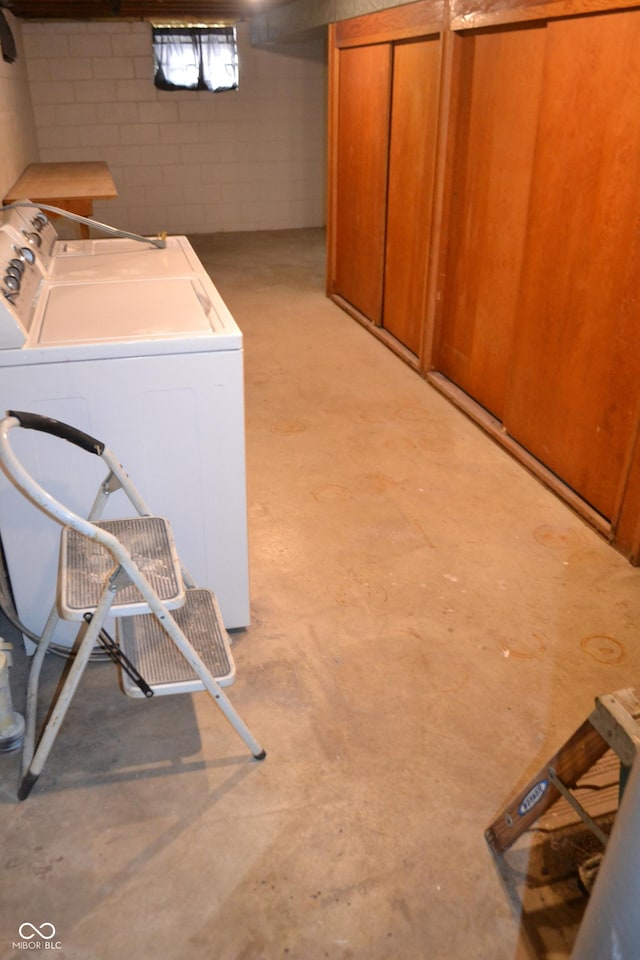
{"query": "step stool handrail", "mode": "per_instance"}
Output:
(29, 487)
(66, 517)
(24, 482)
(36, 421)
(57, 428)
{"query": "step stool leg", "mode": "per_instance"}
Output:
(32, 688)
(63, 699)
(232, 716)
(213, 688)
(571, 762)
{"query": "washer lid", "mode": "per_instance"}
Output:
(120, 258)
(126, 311)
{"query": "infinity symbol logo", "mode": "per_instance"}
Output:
(35, 931)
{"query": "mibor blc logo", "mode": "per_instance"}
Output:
(37, 938)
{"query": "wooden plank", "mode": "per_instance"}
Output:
(412, 148)
(394, 23)
(571, 762)
(499, 80)
(616, 718)
(332, 157)
(364, 77)
(447, 99)
(627, 523)
(56, 183)
(469, 14)
(574, 383)
(495, 430)
(70, 186)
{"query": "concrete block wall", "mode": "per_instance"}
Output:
(184, 162)
(18, 145)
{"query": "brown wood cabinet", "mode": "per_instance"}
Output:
(537, 321)
(502, 156)
(386, 70)
(499, 78)
(363, 125)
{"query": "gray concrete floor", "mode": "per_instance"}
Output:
(429, 625)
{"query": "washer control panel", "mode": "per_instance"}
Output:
(20, 277)
(31, 228)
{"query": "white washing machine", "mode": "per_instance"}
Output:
(149, 363)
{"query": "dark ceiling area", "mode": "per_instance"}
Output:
(187, 11)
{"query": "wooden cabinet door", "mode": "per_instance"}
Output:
(574, 386)
(499, 80)
(362, 140)
(414, 106)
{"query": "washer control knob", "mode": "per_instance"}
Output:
(27, 254)
(33, 238)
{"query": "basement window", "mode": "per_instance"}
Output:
(195, 58)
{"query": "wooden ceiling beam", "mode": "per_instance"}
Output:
(160, 10)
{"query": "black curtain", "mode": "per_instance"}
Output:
(195, 58)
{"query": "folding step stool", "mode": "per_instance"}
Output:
(613, 724)
(171, 636)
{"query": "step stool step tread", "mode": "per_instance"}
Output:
(85, 566)
(158, 659)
